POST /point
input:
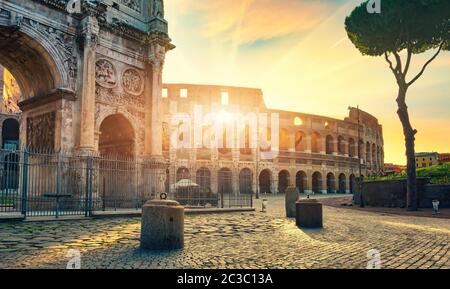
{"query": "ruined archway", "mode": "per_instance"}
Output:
(301, 181)
(33, 58)
(10, 134)
(342, 184)
(265, 182)
(331, 183)
(224, 181)
(283, 181)
(245, 181)
(116, 136)
(317, 183)
(39, 59)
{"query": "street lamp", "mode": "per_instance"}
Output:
(361, 201)
(435, 207)
(264, 205)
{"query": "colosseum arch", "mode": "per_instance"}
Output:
(342, 184)
(300, 144)
(368, 154)
(265, 181)
(351, 148)
(283, 181)
(341, 145)
(316, 142)
(301, 181)
(361, 149)
(329, 149)
(183, 173)
(225, 181)
(352, 183)
(317, 183)
(374, 158)
(203, 178)
(284, 139)
(331, 183)
(245, 181)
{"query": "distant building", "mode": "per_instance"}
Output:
(426, 159)
(390, 169)
(444, 158)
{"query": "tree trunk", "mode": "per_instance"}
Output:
(409, 133)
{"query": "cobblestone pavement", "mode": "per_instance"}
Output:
(239, 240)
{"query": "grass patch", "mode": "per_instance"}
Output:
(438, 174)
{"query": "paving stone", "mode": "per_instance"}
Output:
(241, 240)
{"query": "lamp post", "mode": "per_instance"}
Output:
(435, 207)
(257, 158)
(361, 199)
(361, 203)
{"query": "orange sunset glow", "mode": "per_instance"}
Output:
(298, 53)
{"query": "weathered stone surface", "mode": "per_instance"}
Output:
(162, 225)
(309, 214)
(292, 196)
(273, 242)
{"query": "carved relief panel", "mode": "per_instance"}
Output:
(41, 131)
(105, 73)
(119, 84)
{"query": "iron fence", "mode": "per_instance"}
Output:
(45, 183)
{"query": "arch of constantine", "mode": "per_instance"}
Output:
(77, 70)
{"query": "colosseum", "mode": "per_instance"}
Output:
(317, 154)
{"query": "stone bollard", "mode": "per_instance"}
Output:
(309, 214)
(162, 225)
(291, 198)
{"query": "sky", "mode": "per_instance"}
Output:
(298, 53)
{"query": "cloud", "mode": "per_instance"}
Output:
(247, 21)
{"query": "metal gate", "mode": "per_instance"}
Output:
(41, 184)
(36, 183)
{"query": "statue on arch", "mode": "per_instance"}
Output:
(158, 8)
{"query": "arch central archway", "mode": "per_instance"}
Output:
(116, 136)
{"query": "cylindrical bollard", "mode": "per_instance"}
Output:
(162, 225)
(309, 214)
(291, 198)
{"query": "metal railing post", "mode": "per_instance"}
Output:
(24, 182)
(88, 197)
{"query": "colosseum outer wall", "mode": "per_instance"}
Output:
(318, 154)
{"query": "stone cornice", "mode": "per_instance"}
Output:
(57, 94)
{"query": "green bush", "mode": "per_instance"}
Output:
(438, 174)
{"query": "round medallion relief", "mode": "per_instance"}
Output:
(132, 81)
(105, 73)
